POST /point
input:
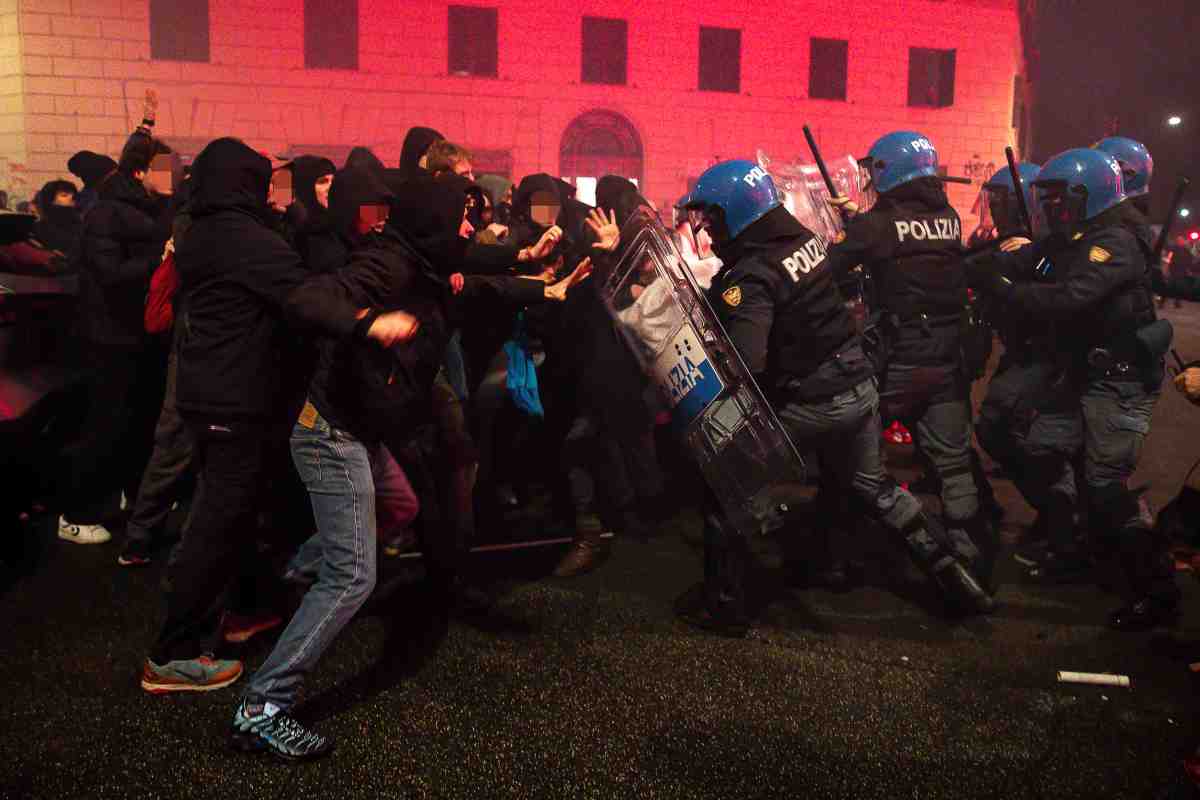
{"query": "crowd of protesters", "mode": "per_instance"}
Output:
(327, 365)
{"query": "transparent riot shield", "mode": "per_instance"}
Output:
(716, 407)
(805, 194)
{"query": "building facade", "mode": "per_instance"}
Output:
(656, 90)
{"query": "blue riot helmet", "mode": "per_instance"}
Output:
(1000, 201)
(1077, 186)
(900, 157)
(1137, 167)
(730, 197)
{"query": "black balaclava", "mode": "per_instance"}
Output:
(362, 158)
(428, 212)
(416, 143)
(59, 227)
(354, 187)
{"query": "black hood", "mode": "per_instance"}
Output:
(614, 193)
(428, 212)
(229, 174)
(928, 191)
(354, 187)
(91, 168)
(305, 171)
(416, 142)
(522, 200)
(363, 158)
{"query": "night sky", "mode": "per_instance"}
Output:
(1133, 61)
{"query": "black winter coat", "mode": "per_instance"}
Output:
(237, 358)
(121, 245)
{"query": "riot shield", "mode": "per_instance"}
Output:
(805, 195)
(716, 407)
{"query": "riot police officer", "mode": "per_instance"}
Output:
(910, 243)
(776, 298)
(1110, 344)
(1030, 421)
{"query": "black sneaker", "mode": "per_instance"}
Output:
(267, 729)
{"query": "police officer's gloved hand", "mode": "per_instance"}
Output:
(844, 205)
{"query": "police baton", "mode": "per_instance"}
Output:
(1176, 201)
(816, 152)
(1022, 209)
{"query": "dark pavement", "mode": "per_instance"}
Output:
(589, 688)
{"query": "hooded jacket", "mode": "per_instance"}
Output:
(310, 228)
(120, 246)
(237, 357)
(416, 143)
(91, 168)
(363, 158)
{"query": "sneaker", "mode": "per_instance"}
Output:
(201, 674)
(238, 628)
(268, 729)
(82, 534)
(135, 554)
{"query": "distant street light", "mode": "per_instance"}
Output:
(1183, 212)
(1174, 120)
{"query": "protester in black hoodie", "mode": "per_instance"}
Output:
(122, 242)
(355, 487)
(92, 169)
(239, 388)
(596, 410)
(60, 225)
(412, 152)
(314, 237)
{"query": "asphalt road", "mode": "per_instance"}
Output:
(589, 688)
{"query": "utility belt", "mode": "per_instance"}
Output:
(840, 372)
(1141, 360)
(923, 325)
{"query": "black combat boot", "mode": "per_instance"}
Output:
(960, 588)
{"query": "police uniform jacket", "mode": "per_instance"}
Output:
(1100, 297)
(781, 308)
(910, 243)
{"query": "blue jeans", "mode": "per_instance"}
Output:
(340, 473)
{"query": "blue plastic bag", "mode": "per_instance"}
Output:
(522, 380)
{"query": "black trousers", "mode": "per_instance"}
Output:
(165, 478)
(233, 460)
(124, 398)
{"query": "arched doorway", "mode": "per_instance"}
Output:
(599, 143)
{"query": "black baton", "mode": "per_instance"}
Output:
(816, 152)
(1022, 209)
(1176, 201)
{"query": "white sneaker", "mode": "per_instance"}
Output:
(82, 534)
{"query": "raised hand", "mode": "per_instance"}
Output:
(608, 235)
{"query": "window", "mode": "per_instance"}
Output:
(827, 69)
(599, 143)
(720, 60)
(179, 30)
(473, 49)
(331, 34)
(930, 77)
(605, 50)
